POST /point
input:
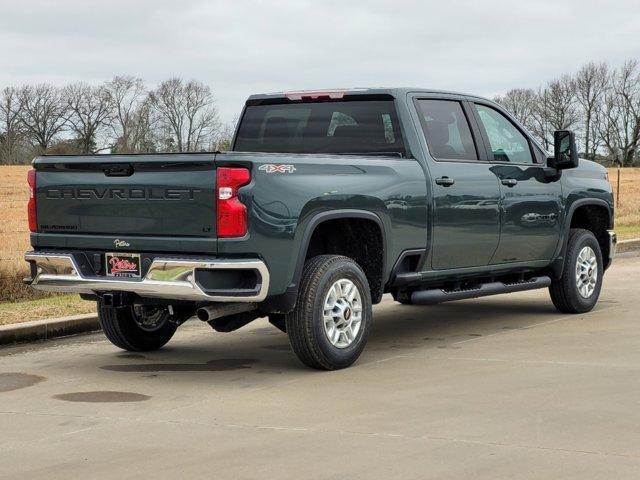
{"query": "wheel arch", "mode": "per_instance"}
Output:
(346, 214)
(286, 302)
(576, 208)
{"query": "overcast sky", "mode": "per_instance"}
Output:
(240, 47)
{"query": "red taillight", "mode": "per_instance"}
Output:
(231, 213)
(31, 206)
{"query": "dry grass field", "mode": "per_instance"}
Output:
(14, 241)
(15, 238)
(628, 209)
(14, 194)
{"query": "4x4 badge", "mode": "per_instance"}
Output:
(272, 168)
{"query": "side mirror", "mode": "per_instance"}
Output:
(565, 150)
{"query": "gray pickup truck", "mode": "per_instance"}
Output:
(327, 201)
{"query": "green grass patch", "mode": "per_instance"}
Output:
(50, 307)
(627, 232)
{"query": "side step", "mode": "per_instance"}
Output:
(438, 295)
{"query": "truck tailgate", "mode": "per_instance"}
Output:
(116, 195)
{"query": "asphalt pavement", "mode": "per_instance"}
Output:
(500, 387)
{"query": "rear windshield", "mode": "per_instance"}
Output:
(349, 127)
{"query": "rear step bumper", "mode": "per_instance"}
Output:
(437, 295)
(173, 279)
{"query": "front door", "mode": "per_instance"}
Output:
(466, 195)
(530, 202)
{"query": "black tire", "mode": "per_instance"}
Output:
(121, 328)
(564, 291)
(305, 325)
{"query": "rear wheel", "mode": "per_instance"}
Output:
(329, 326)
(578, 289)
(135, 328)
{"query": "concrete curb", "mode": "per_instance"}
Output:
(628, 245)
(50, 328)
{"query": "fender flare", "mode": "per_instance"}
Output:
(332, 215)
(286, 301)
(558, 264)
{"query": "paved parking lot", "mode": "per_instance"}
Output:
(501, 387)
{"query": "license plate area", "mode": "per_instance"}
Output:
(119, 264)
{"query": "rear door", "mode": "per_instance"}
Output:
(531, 203)
(465, 212)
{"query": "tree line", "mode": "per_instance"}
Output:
(118, 116)
(600, 103)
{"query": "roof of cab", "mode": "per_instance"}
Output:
(397, 92)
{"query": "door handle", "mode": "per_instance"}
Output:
(509, 182)
(445, 181)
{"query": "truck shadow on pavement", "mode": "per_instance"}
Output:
(397, 328)
(407, 326)
(218, 365)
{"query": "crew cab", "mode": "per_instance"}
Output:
(326, 201)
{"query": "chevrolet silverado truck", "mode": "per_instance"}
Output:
(326, 201)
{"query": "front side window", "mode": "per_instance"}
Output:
(508, 144)
(342, 127)
(446, 130)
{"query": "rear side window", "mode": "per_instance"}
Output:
(508, 144)
(349, 127)
(446, 130)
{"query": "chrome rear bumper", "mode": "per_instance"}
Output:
(173, 279)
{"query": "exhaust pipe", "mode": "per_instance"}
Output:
(218, 310)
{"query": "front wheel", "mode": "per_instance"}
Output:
(136, 329)
(578, 289)
(329, 326)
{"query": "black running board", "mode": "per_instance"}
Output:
(437, 295)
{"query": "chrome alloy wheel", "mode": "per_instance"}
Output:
(586, 272)
(342, 315)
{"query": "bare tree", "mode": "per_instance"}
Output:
(187, 112)
(620, 130)
(561, 106)
(90, 110)
(143, 135)
(591, 84)
(224, 137)
(10, 128)
(521, 102)
(541, 127)
(555, 109)
(43, 114)
(127, 95)
(202, 115)
(603, 105)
